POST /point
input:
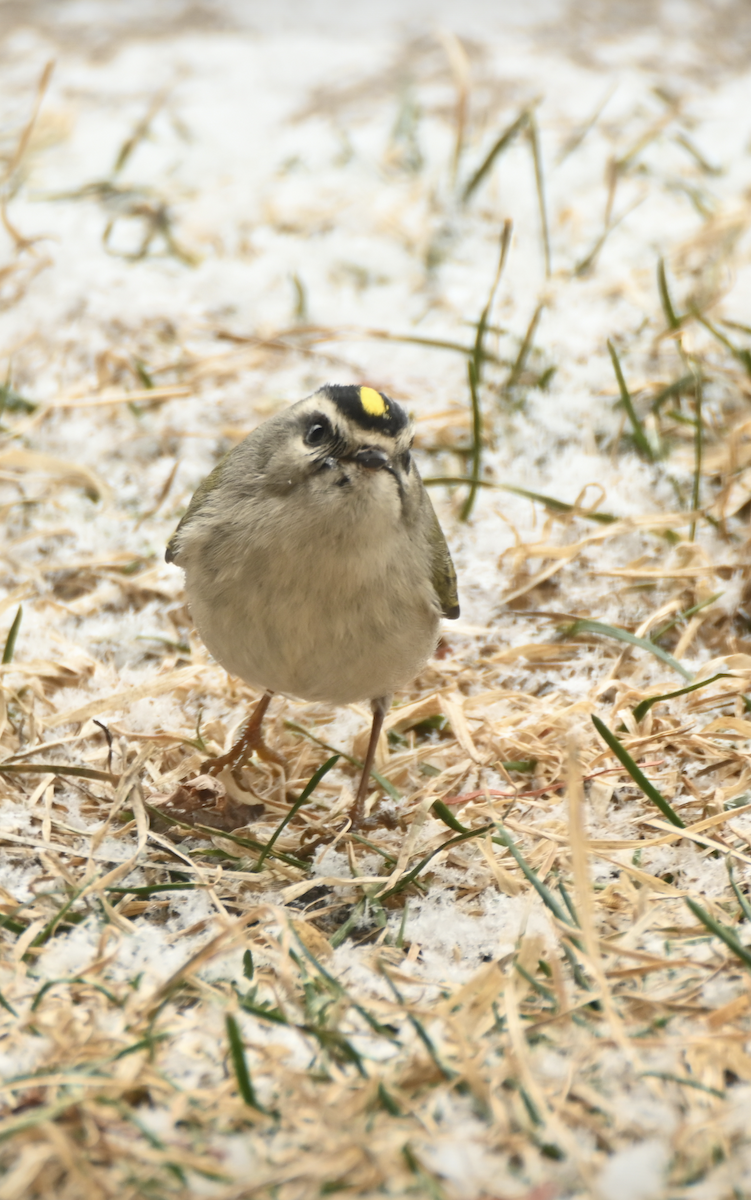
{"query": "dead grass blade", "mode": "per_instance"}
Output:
(460, 70)
(25, 138)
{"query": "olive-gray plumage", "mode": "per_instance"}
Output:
(314, 562)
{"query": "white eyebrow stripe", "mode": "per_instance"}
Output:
(354, 433)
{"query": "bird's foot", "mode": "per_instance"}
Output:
(251, 739)
(238, 756)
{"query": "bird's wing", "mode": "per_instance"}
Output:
(442, 572)
(200, 496)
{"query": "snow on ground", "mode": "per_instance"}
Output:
(208, 212)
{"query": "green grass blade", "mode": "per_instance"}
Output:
(534, 140)
(672, 320)
(524, 349)
(476, 442)
(248, 843)
(154, 889)
(8, 1007)
(342, 933)
(333, 1041)
(10, 641)
(402, 925)
(474, 372)
(538, 987)
(742, 900)
(275, 1015)
(568, 902)
(698, 454)
(382, 782)
(655, 635)
(444, 813)
(242, 1074)
(436, 343)
(11, 768)
(743, 356)
(478, 350)
(673, 389)
(46, 933)
(638, 776)
(337, 989)
(498, 147)
(362, 841)
(387, 1101)
(212, 831)
(721, 931)
(640, 438)
(560, 506)
(682, 1079)
(12, 401)
(12, 926)
(418, 1027)
(97, 987)
(550, 502)
(622, 635)
(643, 708)
(502, 838)
(412, 875)
(304, 796)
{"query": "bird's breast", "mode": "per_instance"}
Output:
(317, 606)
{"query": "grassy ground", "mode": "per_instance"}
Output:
(528, 976)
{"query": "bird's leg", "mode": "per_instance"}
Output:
(251, 739)
(379, 707)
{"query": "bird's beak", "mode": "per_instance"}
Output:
(371, 457)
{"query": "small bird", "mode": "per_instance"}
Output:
(314, 562)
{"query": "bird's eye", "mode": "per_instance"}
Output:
(317, 432)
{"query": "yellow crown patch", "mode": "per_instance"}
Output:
(373, 402)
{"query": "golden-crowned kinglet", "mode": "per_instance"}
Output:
(314, 562)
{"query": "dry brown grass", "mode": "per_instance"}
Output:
(344, 1060)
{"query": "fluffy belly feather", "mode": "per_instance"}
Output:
(361, 631)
